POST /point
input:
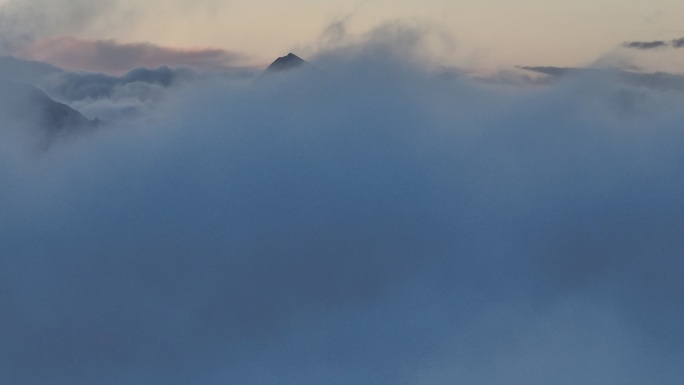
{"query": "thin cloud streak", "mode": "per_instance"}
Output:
(652, 45)
(23, 22)
(110, 56)
(655, 81)
(645, 45)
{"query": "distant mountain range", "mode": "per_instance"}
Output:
(25, 104)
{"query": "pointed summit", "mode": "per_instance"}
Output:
(285, 63)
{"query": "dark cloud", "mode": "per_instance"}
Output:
(645, 45)
(75, 86)
(375, 223)
(553, 71)
(678, 43)
(113, 57)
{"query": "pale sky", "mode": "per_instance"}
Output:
(485, 33)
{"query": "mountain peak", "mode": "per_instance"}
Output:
(287, 62)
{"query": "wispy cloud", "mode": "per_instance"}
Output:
(657, 80)
(113, 57)
(22, 22)
(645, 45)
(656, 44)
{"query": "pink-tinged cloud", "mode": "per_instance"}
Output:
(111, 56)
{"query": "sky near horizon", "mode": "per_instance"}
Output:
(481, 34)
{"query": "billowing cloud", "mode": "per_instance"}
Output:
(113, 57)
(374, 222)
(112, 97)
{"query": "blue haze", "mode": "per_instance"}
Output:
(373, 221)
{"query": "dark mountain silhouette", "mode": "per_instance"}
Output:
(285, 63)
(281, 65)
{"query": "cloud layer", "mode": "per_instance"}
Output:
(112, 57)
(24, 22)
(373, 221)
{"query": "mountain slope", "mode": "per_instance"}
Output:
(24, 106)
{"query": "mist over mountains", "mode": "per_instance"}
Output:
(385, 221)
(41, 97)
(29, 108)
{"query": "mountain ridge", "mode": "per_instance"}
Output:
(28, 107)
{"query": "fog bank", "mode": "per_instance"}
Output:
(372, 221)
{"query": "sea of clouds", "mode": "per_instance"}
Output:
(368, 219)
